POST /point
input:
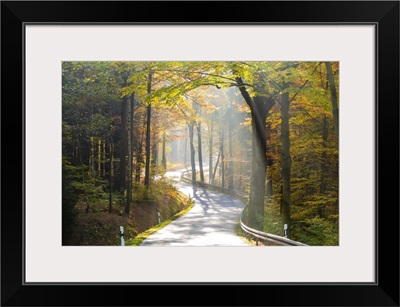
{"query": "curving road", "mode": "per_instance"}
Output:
(211, 222)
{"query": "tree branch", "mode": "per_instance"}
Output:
(304, 84)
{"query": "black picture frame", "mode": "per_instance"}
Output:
(383, 14)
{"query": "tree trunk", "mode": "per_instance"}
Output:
(259, 108)
(111, 175)
(104, 160)
(200, 152)
(286, 159)
(129, 146)
(192, 151)
(154, 154)
(324, 166)
(270, 162)
(334, 98)
(230, 169)
(138, 147)
(91, 157)
(222, 157)
(148, 153)
(164, 157)
(99, 157)
(132, 148)
(112, 158)
(210, 160)
(215, 168)
(257, 180)
(123, 148)
(269, 187)
(139, 161)
(185, 152)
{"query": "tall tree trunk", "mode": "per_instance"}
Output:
(132, 148)
(138, 147)
(123, 146)
(270, 161)
(269, 191)
(91, 157)
(259, 108)
(257, 179)
(192, 151)
(164, 157)
(112, 158)
(155, 157)
(286, 159)
(99, 157)
(147, 169)
(185, 152)
(129, 146)
(334, 98)
(215, 168)
(139, 161)
(104, 160)
(230, 169)
(200, 152)
(210, 160)
(324, 166)
(222, 157)
(111, 175)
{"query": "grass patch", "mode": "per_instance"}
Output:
(142, 236)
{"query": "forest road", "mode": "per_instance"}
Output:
(211, 222)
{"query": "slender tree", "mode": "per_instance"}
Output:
(164, 156)
(123, 145)
(334, 97)
(148, 152)
(200, 154)
(210, 149)
(286, 159)
(230, 147)
(192, 150)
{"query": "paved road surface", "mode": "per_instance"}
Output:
(211, 222)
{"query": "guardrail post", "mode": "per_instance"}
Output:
(121, 233)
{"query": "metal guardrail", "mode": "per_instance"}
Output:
(268, 237)
(259, 235)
